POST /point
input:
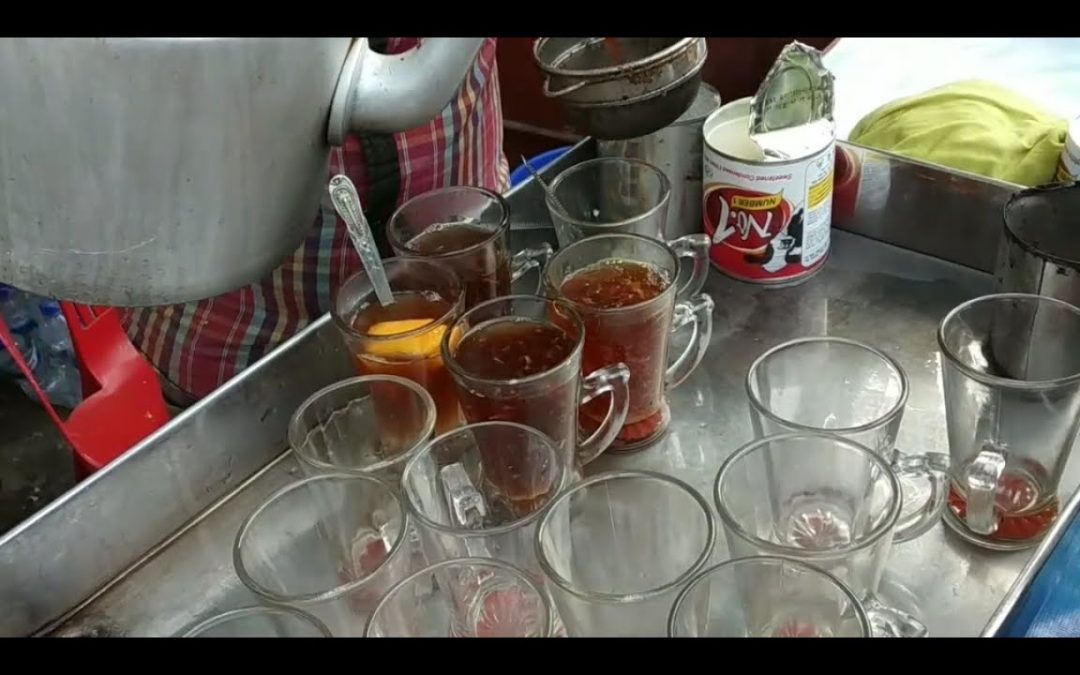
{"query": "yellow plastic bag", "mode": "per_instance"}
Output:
(972, 126)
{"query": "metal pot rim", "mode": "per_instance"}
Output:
(611, 72)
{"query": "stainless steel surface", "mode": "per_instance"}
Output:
(1040, 248)
(675, 150)
(918, 206)
(139, 171)
(868, 291)
(655, 84)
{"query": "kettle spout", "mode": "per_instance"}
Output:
(377, 92)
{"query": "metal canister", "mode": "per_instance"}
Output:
(1040, 249)
(1068, 170)
(675, 150)
(768, 174)
(769, 221)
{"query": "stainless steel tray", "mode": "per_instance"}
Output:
(144, 548)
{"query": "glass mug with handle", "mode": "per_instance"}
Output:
(370, 424)
(824, 500)
(518, 359)
(403, 338)
(478, 491)
(330, 545)
(467, 229)
(844, 387)
(625, 288)
(617, 547)
(767, 596)
(1011, 374)
(609, 195)
(463, 597)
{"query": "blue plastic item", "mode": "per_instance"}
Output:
(1050, 607)
(518, 175)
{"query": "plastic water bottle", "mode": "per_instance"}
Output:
(21, 325)
(53, 330)
(54, 339)
(54, 375)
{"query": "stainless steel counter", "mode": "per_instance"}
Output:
(151, 535)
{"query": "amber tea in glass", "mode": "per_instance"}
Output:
(465, 228)
(403, 339)
(625, 289)
(515, 362)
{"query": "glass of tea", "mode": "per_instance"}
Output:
(370, 424)
(330, 545)
(608, 195)
(626, 290)
(403, 339)
(518, 359)
(823, 500)
(260, 622)
(1011, 373)
(850, 389)
(467, 229)
(617, 548)
(465, 597)
(767, 596)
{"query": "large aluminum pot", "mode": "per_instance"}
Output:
(141, 171)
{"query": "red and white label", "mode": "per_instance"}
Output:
(768, 222)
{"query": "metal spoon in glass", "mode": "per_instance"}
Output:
(347, 203)
(543, 184)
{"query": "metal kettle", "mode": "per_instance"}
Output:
(144, 171)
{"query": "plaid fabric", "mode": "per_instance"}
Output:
(199, 346)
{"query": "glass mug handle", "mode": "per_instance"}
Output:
(696, 247)
(932, 467)
(614, 380)
(981, 480)
(528, 259)
(697, 313)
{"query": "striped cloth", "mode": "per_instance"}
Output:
(199, 346)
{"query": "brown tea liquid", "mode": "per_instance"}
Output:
(636, 337)
(507, 350)
(485, 272)
(413, 356)
(1025, 507)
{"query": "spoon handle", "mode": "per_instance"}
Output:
(347, 203)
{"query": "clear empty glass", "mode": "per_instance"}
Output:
(609, 195)
(616, 549)
(331, 545)
(843, 387)
(766, 596)
(1011, 373)
(259, 622)
(467, 597)
(371, 424)
(820, 499)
